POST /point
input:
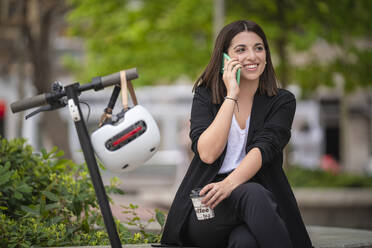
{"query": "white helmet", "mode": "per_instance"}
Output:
(130, 139)
(129, 143)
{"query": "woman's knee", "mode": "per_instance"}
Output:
(241, 237)
(252, 190)
(253, 195)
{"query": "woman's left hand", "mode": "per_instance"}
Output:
(216, 192)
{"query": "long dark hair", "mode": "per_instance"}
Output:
(212, 78)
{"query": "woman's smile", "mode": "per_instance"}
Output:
(250, 67)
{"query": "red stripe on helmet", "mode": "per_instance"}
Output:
(126, 136)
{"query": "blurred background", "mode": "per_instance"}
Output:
(322, 52)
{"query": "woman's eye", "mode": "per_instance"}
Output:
(259, 48)
(240, 50)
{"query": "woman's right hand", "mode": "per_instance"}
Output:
(229, 77)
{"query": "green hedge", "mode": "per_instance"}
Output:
(49, 201)
(302, 177)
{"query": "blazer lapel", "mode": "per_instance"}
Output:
(257, 115)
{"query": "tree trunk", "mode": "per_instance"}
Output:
(39, 46)
(284, 76)
(219, 16)
(282, 44)
(283, 58)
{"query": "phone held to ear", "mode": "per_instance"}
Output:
(223, 64)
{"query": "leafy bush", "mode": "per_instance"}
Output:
(49, 201)
(28, 231)
(134, 220)
(302, 177)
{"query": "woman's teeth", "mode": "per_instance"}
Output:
(252, 66)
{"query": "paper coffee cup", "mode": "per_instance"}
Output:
(202, 212)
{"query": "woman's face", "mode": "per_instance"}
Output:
(249, 49)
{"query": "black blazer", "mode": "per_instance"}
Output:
(269, 130)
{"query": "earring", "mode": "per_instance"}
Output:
(265, 63)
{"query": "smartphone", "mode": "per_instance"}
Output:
(223, 64)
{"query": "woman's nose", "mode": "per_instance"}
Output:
(248, 55)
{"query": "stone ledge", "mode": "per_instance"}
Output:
(322, 237)
(341, 207)
(306, 197)
(325, 197)
(333, 237)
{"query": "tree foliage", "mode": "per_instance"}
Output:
(166, 39)
(163, 39)
(334, 36)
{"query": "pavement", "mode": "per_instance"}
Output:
(333, 237)
(322, 237)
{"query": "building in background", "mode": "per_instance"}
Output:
(307, 141)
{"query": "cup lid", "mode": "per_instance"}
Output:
(195, 192)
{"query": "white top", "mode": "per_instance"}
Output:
(236, 142)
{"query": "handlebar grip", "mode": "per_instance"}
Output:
(28, 103)
(115, 77)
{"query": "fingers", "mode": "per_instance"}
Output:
(206, 189)
(213, 199)
(211, 191)
(235, 68)
(229, 76)
(231, 64)
(214, 195)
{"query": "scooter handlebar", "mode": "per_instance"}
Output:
(41, 99)
(28, 103)
(115, 77)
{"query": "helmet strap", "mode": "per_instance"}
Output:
(125, 85)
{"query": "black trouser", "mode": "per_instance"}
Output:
(247, 218)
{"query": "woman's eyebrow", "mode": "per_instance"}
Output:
(243, 45)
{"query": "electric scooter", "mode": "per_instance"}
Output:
(57, 99)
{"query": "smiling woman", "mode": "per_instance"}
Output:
(249, 51)
(239, 152)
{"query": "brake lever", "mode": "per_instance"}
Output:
(60, 104)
